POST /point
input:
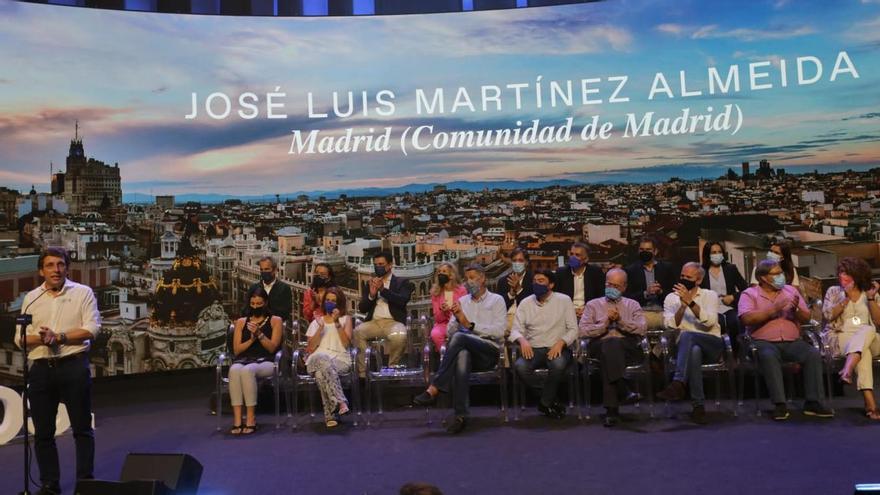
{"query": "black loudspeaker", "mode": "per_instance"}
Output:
(101, 487)
(181, 473)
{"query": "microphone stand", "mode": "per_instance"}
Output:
(23, 321)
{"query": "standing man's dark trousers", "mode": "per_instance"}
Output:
(614, 353)
(66, 380)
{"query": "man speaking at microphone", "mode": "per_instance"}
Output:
(65, 320)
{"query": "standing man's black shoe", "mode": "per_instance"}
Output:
(50, 489)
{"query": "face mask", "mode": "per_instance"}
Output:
(319, 282)
(472, 287)
(773, 256)
(612, 293)
(329, 306)
(518, 266)
(258, 311)
(645, 256)
(688, 284)
(540, 290)
(380, 271)
(267, 277)
(443, 279)
(574, 262)
(779, 281)
(716, 258)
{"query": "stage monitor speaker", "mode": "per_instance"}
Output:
(101, 487)
(180, 472)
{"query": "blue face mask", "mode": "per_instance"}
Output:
(518, 266)
(380, 271)
(472, 287)
(329, 306)
(773, 256)
(574, 262)
(716, 258)
(779, 281)
(612, 293)
(540, 290)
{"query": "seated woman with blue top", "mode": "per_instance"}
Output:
(255, 340)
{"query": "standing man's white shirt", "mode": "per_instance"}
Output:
(73, 308)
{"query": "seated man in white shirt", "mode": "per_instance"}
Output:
(476, 331)
(692, 311)
(544, 327)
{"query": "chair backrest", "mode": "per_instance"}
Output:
(230, 333)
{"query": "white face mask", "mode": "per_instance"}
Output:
(716, 258)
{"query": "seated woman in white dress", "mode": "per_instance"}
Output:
(852, 315)
(329, 337)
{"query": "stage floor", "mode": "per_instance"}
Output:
(663, 455)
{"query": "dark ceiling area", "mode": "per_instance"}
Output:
(307, 8)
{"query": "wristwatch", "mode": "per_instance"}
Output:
(692, 304)
(472, 326)
(62, 338)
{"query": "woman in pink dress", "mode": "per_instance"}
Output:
(446, 290)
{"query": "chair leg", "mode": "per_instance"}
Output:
(515, 394)
(718, 391)
(829, 390)
(311, 392)
(789, 388)
(356, 397)
(504, 391)
(731, 383)
(218, 400)
(277, 401)
(368, 399)
(757, 392)
(379, 400)
(295, 403)
(586, 378)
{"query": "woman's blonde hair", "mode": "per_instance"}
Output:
(454, 278)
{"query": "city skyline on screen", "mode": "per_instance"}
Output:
(128, 78)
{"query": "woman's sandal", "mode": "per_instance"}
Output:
(235, 430)
(872, 414)
(249, 429)
(332, 423)
(340, 411)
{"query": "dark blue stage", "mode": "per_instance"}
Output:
(730, 456)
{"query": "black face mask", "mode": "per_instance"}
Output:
(319, 282)
(261, 311)
(688, 284)
(645, 256)
(443, 279)
(267, 277)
